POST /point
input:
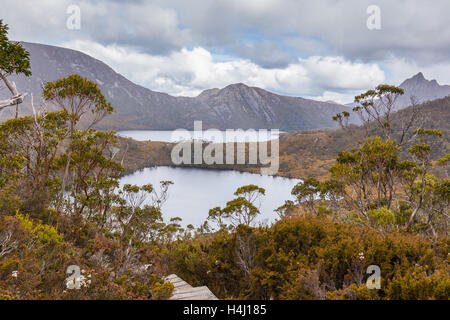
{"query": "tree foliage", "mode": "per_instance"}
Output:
(14, 59)
(61, 205)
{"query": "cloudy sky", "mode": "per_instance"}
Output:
(320, 49)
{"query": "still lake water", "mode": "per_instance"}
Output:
(208, 135)
(195, 191)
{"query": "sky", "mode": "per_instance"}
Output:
(322, 49)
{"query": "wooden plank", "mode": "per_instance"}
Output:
(184, 291)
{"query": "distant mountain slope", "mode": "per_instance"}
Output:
(136, 106)
(319, 148)
(254, 107)
(235, 106)
(308, 153)
(422, 89)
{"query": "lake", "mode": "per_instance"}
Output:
(195, 191)
(212, 135)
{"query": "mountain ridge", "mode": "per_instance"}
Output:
(422, 89)
(419, 90)
(234, 106)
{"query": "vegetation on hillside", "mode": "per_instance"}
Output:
(307, 154)
(59, 204)
(375, 210)
(62, 210)
(313, 257)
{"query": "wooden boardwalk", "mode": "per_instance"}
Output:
(184, 291)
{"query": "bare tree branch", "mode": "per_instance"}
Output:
(16, 99)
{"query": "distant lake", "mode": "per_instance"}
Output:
(207, 135)
(195, 191)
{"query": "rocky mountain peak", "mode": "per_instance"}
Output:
(235, 106)
(422, 90)
(418, 81)
(237, 87)
(419, 76)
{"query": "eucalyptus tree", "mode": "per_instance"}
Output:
(376, 108)
(378, 184)
(242, 210)
(30, 148)
(77, 96)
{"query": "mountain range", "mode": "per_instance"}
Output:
(422, 90)
(419, 90)
(235, 106)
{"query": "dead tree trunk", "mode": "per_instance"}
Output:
(16, 98)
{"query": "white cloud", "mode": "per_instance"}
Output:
(190, 71)
(254, 35)
(411, 29)
(414, 28)
(343, 98)
(151, 27)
